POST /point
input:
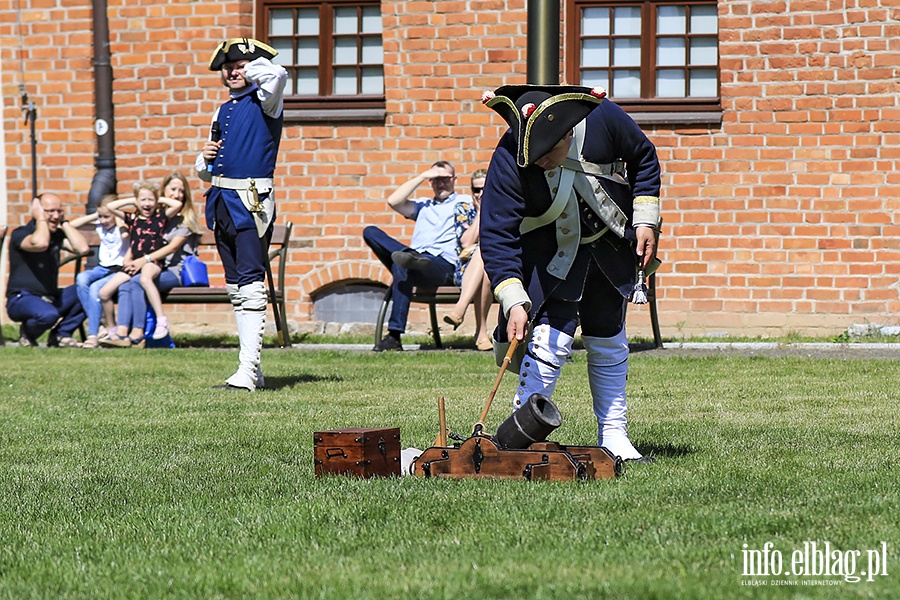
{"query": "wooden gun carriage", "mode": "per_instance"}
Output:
(483, 456)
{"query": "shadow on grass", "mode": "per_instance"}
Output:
(451, 345)
(642, 347)
(277, 383)
(206, 341)
(664, 450)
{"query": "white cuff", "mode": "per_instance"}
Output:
(511, 293)
(646, 211)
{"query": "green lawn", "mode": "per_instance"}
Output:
(123, 474)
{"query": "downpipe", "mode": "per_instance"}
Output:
(104, 181)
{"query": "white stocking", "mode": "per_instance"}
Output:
(607, 360)
(251, 320)
(547, 353)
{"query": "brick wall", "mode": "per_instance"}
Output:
(784, 219)
(780, 220)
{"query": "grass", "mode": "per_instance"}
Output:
(123, 474)
(454, 341)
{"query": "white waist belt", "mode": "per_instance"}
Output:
(262, 184)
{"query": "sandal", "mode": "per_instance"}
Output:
(484, 344)
(67, 342)
(92, 341)
(117, 341)
(453, 319)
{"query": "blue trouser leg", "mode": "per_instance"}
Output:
(34, 313)
(167, 281)
(242, 250)
(88, 284)
(382, 245)
(96, 305)
(132, 304)
(439, 272)
(71, 311)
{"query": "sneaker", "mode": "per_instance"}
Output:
(388, 343)
(162, 328)
(411, 260)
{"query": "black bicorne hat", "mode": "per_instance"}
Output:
(541, 115)
(239, 49)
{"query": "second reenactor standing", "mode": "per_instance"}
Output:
(240, 205)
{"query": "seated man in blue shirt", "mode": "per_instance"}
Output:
(430, 258)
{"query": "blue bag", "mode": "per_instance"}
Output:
(149, 326)
(194, 272)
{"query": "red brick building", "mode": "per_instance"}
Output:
(777, 123)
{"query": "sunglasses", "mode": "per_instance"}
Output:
(477, 190)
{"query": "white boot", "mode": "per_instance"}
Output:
(234, 294)
(547, 353)
(251, 320)
(239, 317)
(607, 360)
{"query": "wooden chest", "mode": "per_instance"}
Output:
(361, 451)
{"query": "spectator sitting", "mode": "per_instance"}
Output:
(470, 273)
(430, 259)
(181, 235)
(145, 229)
(33, 296)
(113, 237)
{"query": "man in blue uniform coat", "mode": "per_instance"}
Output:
(239, 161)
(570, 213)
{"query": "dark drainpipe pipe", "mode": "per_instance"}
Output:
(105, 178)
(543, 42)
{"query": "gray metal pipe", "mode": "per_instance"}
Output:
(543, 42)
(104, 181)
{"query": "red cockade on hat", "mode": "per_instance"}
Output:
(540, 115)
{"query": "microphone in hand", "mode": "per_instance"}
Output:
(215, 134)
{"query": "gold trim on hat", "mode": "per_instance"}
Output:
(545, 105)
(249, 46)
(505, 100)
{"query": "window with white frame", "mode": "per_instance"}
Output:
(333, 51)
(655, 54)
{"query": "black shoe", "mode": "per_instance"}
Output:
(411, 260)
(52, 340)
(388, 343)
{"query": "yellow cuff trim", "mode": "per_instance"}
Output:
(646, 211)
(511, 293)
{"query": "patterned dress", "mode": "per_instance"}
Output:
(464, 216)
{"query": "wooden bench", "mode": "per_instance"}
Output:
(278, 249)
(430, 296)
(450, 295)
